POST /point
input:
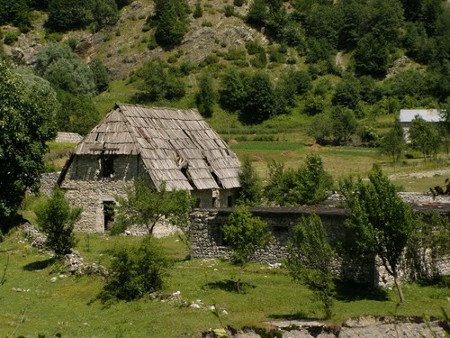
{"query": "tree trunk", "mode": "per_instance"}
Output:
(399, 288)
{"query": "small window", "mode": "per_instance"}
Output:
(214, 202)
(230, 201)
(107, 164)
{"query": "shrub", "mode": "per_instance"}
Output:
(251, 186)
(238, 3)
(10, 37)
(229, 10)
(309, 184)
(101, 75)
(310, 260)
(206, 96)
(232, 90)
(244, 234)
(56, 218)
(198, 12)
(135, 272)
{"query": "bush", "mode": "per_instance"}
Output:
(238, 3)
(198, 12)
(310, 260)
(11, 37)
(135, 272)
(206, 96)
(244, 234)
(101, 75)
(309, 184)
(56, 218)
(251, 186)
(229, 10)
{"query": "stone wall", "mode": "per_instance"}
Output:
(48, 182)
(86, 188)
(207, 240)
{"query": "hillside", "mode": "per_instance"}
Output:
(332, 73)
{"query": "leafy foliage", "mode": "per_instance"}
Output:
(57, 218)
(72, 14)
(206, 96)
(309, 184)
(380, 223)
(145, 206)
(251, 185)
(170, 19)
(310, 259)
(101, 75)
(25, 129)
(393, 143)
(65, 70)
(159, 83)
(424, 137)
(16, 12)
(430, 240)
(135, 272)
(244, 234)
(232, 90)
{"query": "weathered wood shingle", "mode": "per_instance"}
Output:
(177, 147)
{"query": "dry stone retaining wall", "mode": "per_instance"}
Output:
(207, 240)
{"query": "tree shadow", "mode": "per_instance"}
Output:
(230, 285)
(294, 316)
(40, 265)
(350, 291)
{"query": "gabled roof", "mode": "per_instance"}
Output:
(428, 115)
(176, 146)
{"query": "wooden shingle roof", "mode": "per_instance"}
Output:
(176, 146)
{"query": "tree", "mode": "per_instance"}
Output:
(135, 272)
(245, 234)
(261, 102)
(257, 13)
(101, 75)
(380, 223)
(25, 128)
(321, 129)
(105, 13)
(348, 93)
(57, 218)
(251, 186)
(65, 70)
(198, 12)
(393, 143)
(232, 90)
(424, 137)
(206, 96)
(146, 206)
(16, 12)
(310, 259)
(344, 125)
(69, 14)
(309, 184)
(159, 83)
(171, 22)
(77, 114)
(371, 56)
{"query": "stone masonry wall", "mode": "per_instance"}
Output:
(207, 240)
(85, 188)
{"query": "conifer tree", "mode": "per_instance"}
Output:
(206, 96)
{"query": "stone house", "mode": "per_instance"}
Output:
(408, 115)
(167, 146)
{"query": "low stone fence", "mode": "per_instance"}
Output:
(207, 239)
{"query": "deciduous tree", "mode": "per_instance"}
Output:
(380, 223)
(310, 259)
(24, 130)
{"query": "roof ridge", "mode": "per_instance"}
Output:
(119, 104)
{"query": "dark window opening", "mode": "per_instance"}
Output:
(230, 201)
(109, 212)
(197, 202)
(107, 164)
(214, 202)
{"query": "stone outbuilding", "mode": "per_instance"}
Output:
(408, 115)
(167, 146)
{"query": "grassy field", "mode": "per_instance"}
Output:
(69, 306)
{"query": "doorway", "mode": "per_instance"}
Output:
(109, 212)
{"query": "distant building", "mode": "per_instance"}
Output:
(64, 137)
(168, 146)
(408, 115)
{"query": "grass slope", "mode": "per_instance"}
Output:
(68, 306)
